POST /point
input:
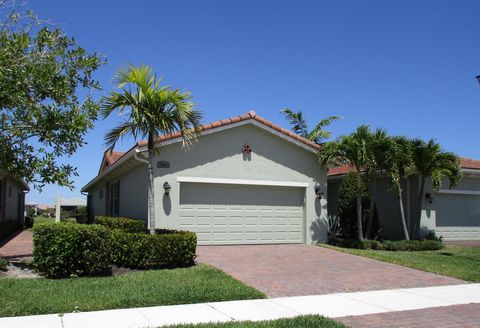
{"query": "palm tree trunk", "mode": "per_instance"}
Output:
(359, 206)
(419, 209)
(402, 212)
(371, 209)
(151, 187)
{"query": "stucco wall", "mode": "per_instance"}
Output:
(11, 202)
(133, 194)
(219, 155)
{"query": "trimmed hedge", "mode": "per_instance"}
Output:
(119, 223)
(165, 249)
(64, 249)
(390, 245)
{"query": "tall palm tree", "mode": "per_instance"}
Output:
(432, 162)
(299, 125)
(149, 110)
(399, 167)
(351, 149)
(378, 145)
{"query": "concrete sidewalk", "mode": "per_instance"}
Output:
(330, 305)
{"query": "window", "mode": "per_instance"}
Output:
(114, 198)
(100, 194)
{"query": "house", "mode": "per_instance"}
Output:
(246, 181)
(12, 203)
(453, 213)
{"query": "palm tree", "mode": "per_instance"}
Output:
(149, 110)
(378, 145)
(432, 162)
(299, 126)
(399, 167)
(353, 150)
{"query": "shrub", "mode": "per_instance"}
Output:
(3, 264)
(124, 224)
(165, 249)
(28, 222)
(390, 245)
(64, 249)
(7, 228)
(347, 209)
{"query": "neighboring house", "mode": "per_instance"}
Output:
(72, 203)
(246, 181)
(453, 213)
(12, 201)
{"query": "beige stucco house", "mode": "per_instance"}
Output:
(246, 181)
(453, 213)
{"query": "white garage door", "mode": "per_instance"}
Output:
(240, 214)
(458, 216)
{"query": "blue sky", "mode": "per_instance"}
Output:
(406, 66)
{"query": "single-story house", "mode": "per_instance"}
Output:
(12, 201)
(246, 181)
(453, 213)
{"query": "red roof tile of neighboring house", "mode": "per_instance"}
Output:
(468, 163)
(465, 163)
(113, 156)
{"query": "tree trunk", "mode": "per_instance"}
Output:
(359, 206)
(402, 212)
(151, 187)
(371, 209)
(418, 217)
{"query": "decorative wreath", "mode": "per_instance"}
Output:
(247, 149)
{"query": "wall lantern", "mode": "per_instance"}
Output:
(167, 188)
(430, 197)
(478, 78)
(318, 192)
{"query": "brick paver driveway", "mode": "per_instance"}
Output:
(465, 316)
(18, 248)
(294, 270)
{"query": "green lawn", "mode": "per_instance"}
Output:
(454, 261)
(197, 284)
(41, 219)
(310, 321)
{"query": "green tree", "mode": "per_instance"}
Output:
(352, 149)
(399, 167)
(377, 146)
(299, 126)
(434, 163)
(46, 98)
(150, 110)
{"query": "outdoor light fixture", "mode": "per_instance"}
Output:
(430, 197)
(318, 192)
(478, 78)
(167, 188)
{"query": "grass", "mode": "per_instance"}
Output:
(309, 321)
(196, 284)
(42, 219)
(453, 261)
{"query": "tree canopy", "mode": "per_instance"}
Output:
(46, 98)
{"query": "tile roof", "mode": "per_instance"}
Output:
(236, 119)
(111, 156)
(465, 163)
(468, 163)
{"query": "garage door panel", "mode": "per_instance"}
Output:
(457, 216)
(242, 214)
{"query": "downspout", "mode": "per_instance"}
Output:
(137, 158)
(89, 207)
(144, 161)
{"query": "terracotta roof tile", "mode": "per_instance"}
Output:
(465, 163)
(236, 119)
